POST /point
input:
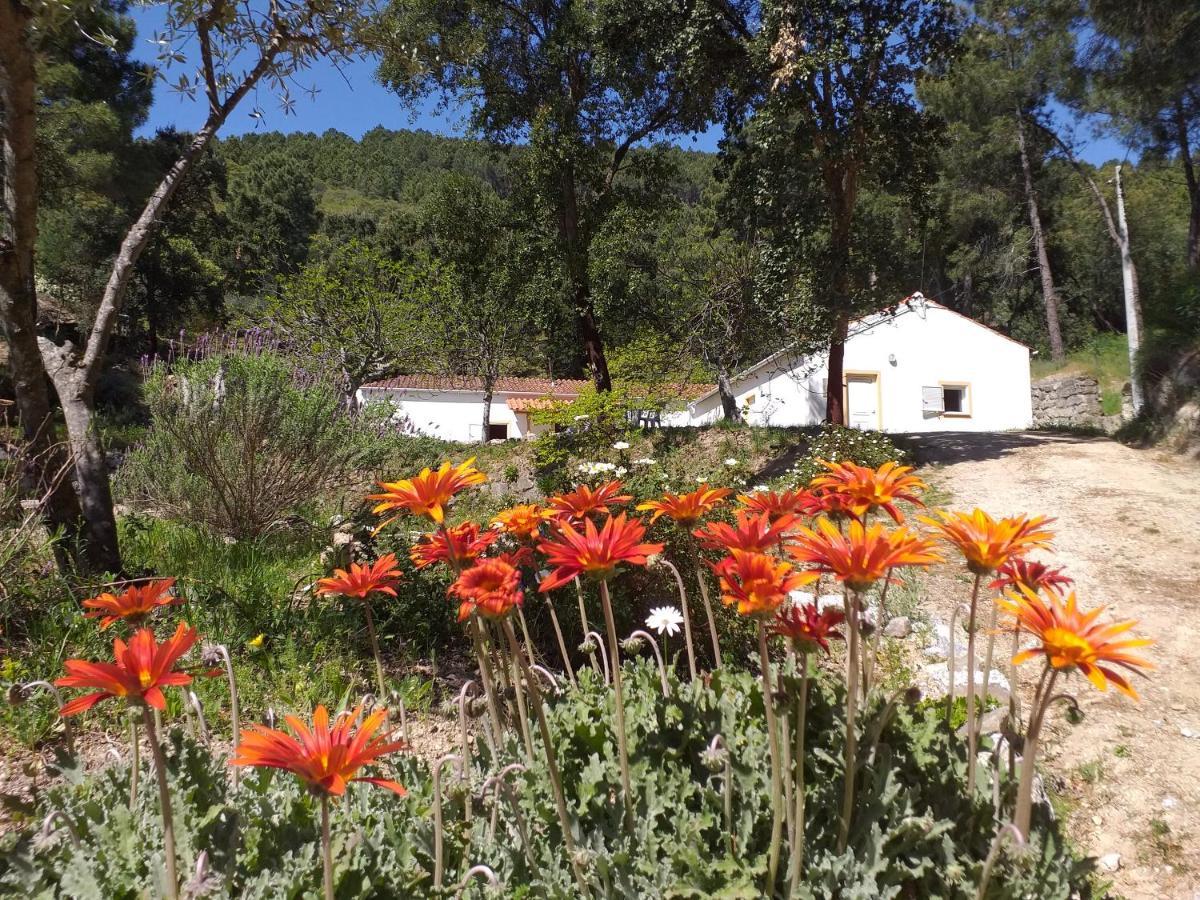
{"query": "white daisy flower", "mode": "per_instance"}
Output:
(621, 445)
(731, 461)
(645, 461)
(664, 620)
(582, 418)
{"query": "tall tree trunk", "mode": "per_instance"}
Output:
(488, 390)
(842, 186)
(1049, 294)
(1133, 304)
(729, 408)
(87, 453)
(48, 475)
(576, 252)
(1193, 187)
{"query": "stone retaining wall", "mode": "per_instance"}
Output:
(1066, 401)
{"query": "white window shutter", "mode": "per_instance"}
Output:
(932, 399)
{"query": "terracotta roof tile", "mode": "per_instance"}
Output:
(530, 404)
(560, 387)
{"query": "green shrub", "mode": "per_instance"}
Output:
(241, 443)
(914, 835)
(836, 443)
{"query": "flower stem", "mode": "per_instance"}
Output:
(164, 802)
(708, 612)
(583, 619)
(326, 850)
(776, 774)
(485, 677)
(687, 618)
(852, 608)
(135, 763)
(971, 736)
(525, 636)
(562, 644)
(798, 783)
(383, 698)
(560, 802)
(622, 744)
(987, 655)
(518, 664)
(234, 711)
(1024, 810)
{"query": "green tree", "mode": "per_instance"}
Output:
(273, 215)
(836, 150)
(1144, 73)
(583, 84)
(239, 48)
(357, 311)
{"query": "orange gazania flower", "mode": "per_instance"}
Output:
(1070, 638)
(833, 504)
(324, 758)
(462, 545)
(989, 543)
(379, 577)
(583, 502)
(491, 587)
(133, 604)
(523, 522)
(1034, 575)
(758, 584)
(686, 509)
(862, 556)
(428, 494)
(753, 533)
(141, 669)
(595, 553)
(808, 626)
(866, 488)
(777, 505)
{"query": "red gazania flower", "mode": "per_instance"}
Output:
(863, 555)
(866, 488)
(686, 509)
(833, 504)
(584, 502)
(777, 505)
(523, 522)
(428, 494)
(987, 543)
(519, 558)
(379, 577)
(1070, 638)
(595, 553)
(753, 533)
(133, 604)
(491, 587)
(325, 758)
(462, 544)
(758, 584)
(141, 669)
(809, 627)
(1034, 575)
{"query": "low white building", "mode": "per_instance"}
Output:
(918, 367)
(451, 407)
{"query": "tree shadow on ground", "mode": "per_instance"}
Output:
(967, 446)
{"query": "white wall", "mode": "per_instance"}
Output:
(449, 415)
(930, 348)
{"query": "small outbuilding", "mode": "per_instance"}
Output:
(917, 367)
(451, 406)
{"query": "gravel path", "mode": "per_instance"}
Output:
(1128, 531)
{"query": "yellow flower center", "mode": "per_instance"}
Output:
(1066, 648)
(144, 678)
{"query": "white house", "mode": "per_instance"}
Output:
(451, 406)
(918, 367)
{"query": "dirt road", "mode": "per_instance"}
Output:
(1128, 531)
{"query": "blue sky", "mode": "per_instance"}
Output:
(353, 102)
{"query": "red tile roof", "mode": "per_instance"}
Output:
(561, 387)
(529, 404)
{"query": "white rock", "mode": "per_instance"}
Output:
(1169, 803)
(1110, 862)
(825, 601)
(1096, 820)
(1187, 732)
(936, 677)
(899, 627)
